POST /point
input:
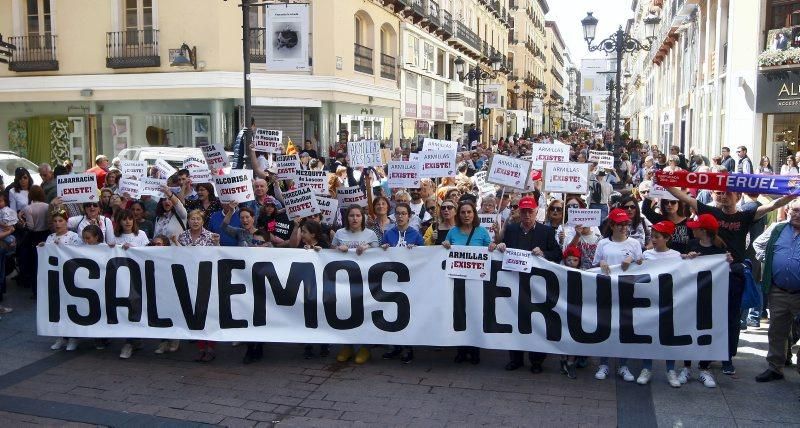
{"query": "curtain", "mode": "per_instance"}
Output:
(39, 139)
(18, 137)
(59, 141)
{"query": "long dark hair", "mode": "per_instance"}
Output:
(315, 229)
(18, 174)
(347, 215)
(210, 188)
(125, 214)
(476, 221)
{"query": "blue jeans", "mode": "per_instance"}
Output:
(602, 207)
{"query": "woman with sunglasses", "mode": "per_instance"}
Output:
(639, 227)
(671, 210)
(555, 214)
(170, 216)
(437, 231)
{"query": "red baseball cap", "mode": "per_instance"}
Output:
(572, 251)
(528, 203)
(665, 227)
(618, 215)
(704, 221)
(536, 174)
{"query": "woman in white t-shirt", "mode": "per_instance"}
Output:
(126, 231)
(619, 249)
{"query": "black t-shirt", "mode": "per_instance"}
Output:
(733, 228)
(695, 247)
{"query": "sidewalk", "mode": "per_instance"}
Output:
(39, 386)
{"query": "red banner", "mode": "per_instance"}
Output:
(693, 180)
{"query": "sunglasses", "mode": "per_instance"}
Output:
(556, 209)
(448, 207)
(629, 207)
(90, 205)
(513, 207)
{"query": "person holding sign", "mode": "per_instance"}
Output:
(244, 235)
(438, 230)
(170, 216)
(206, 201)
(468, 232)
(540, 240)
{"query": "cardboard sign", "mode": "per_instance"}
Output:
(413, 157)
(300, 203)
(364, 153)
(563, 177)
(351, 195)
(316, 180)
(329, 208)
(235, 187)
(603, 159)
(508, 171)
(215, 155)
(437, 163)
(133, 168)
(200, 174)
(584, 217)
(77, 188)
(491, 222)
(661, 193)
(541, 153)
(287, 167)
(465, 262)
(517, 260)
(194, 162)
(129, 186)
(268, 140)
(404, 174)
(149, 186)
(164, 168)
(434, 144)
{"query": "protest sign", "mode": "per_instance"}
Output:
(413, 157)
(491, 222)
(328, 207)
(77, 188)
(194, 162)
(563, 177)
(404, 174)
(434, 144)
(351, 195)
(464, 262)
(671, 310)
(437, 163)
(287, 167)
(364, 153)
(300, 203)
(517, 260)
(658, 192)
(235, 187)
(604, 159)
(129, 187)
(215, 156)
(508, 171)
(731, 182)
(541, 153)
(268, 140)
(165, 170)
(152, 187)
(316, 180)
(200, 174)
(584, 217)
(133, 168)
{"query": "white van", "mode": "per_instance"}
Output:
(173, 155)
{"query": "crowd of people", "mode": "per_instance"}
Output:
(757, 233)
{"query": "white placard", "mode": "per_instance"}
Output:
(517, 260)
(413, 157)
(194, 162)
(77, 188)
(434, 144)
(129, 186)
(541, 153)
(235, 187)
(604, 159)
(268, 140)
(586, 217)
(215, 156)
(133, 168)
(404, 174)
(437, 163)
(164, 168)
(351, 195)
(491, 222)
(563, 177)
(661, 193)
(316, 180)
(300, 203)
(364, 153)
(466, 262)
(200, 174)
(328, 207)
(149, 186)
(287, 167)
(508, 171)
(287, 36)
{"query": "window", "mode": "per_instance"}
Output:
(428, 65)
(785, 14)
(39, 20)
(359, 34)
(412, 51)
(440, 62)
(139, 21)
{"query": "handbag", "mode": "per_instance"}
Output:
(751, 297)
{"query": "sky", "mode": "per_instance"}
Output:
(568, 14)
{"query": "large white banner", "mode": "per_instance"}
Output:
(665, 309)
(287, 37)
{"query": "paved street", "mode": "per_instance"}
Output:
(42, 387)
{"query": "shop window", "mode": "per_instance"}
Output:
(355, 130)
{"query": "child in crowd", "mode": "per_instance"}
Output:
(572, 258)
(92, 235)
(8, 219)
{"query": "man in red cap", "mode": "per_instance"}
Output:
(540, 240)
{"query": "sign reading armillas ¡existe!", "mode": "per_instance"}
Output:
(778, 91)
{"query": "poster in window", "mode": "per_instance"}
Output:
(287, 37)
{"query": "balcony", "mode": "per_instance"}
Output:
(258, 45)
(362, 56)
(512, 38)
(466, 35)
(513, 4)
(417, 9)
(132, 49)
(433, 14)
(33, 53)
(388, 67)
(446, 29)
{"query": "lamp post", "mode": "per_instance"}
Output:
(619, 43)
(552, 105)
(478, 74)
(538, 92)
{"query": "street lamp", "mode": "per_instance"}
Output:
(478, 74)
(538, 92)
(552, 105)
(620, 43)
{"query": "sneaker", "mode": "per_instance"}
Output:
(626, 374)
(672, 378)
(59, 343)
(162, 347)
(100, 344)
(602, 372)
(571, 372)
(707, 379)
(324, 350)
(174, 344)
(5, 310)
(208, 356)
(644, 376)
(345, 354)
(407, 358)
(235, 344)
(72, 344)
(394, 353)
(127, 351)
(753, 323)
(582, 362)
(308, 352)
(362, 356)
(728, 369)
(684, 375)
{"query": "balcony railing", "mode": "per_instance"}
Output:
(433, 13)
(447, 23)
(417, 7)
(513, 4)
(33, 53)
(258, 45)
(467, 36)
(388, 67)
(363, 59)
(132, 49)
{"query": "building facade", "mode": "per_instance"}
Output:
(554, 78)
(526, 41)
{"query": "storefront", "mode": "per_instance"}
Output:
(778, 99)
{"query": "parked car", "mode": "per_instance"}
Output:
(10, 161)
(173, 155)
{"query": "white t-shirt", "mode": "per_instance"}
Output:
(652, 254)
(613, 253)
(353, 240)
(8, 217)
(69, 238)
(132, 240)
(79, 222)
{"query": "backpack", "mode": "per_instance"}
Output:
(596, 192)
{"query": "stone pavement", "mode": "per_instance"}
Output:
(89, 387)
